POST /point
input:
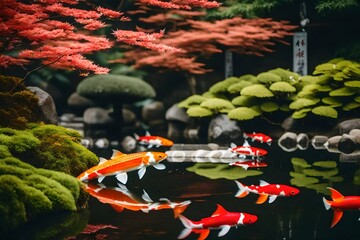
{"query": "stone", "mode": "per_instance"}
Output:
(129, 117)
(174, 113)
(349, 143)
(332, 144)
(153, 113)
(47, 106)
(288, 141)
(318, 141)
(79, 103)
(222, 130)
(348, 125)
(97, 116)
(302, 141)
(128, 144)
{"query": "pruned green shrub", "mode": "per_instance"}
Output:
(282, 87)
(300, 113)
(269, 106)
(222, 86)
(237, 87)
(243, 113)
(286, 75)
(243, 101)
(352, 84)
(351, 106)
(256, 90)
(191, 101)
(302, 103)
(267, 78)
(342, 92)
(332, 101)
(217, 104)
(325, 111)
(198, 111)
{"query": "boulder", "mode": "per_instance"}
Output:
(222, 130)
(348, 125)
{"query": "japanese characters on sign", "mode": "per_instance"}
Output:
(300, 53)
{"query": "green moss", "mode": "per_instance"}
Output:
(256, 90)
(325, 111)
(332, 101)
(341, 92)
(352, 84)
(216, 171)
(217, 104)
(351, 106)
(237, 87)
(284, 107)
(242, 113)
(197, 111)
(4, 151)
(269, 107)
(282, 87)
(316, 88)
(303, 103)
(267, 78)
(111, 87)
(243, 101)
(308, 79)
(191, 101)
(18, 105)
(222, 86)
(325, 164)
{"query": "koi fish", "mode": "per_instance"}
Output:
(260, 137)
(121, 163)
(121, 198)
(151, 141)
(247, 150)
(220, 219)
(248, 164)
(340, 203)
(266, 190)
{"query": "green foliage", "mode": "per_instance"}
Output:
(18, 105)
(269, 106)
(222, 86)
(217, 105)
(325, 164)
(243, 101)
(341, 92)
(198, 111)
(332, 101)
(111, 88)
(286, 75)
(191, 101)
(300, 113)
(303, 103)
(48, 146)
(352, 84)
(351, 106)
(27, 193)
(243, 113)
(237, 87)
(268, 78)
(331, 5)
(256, 90)
(325, 111)
(282, 87)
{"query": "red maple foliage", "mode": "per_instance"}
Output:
(60, 33)
(202, 38)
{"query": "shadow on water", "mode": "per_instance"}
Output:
(207, 184)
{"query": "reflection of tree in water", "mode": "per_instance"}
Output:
(317, 176)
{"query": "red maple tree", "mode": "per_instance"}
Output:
(60, 33)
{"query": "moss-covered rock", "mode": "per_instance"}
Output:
(18, 105)
(27, 193)
(49, 146)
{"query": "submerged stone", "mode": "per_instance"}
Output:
(288, 141)
(318, 141)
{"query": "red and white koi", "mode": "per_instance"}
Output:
(120, 164)
(151, 141)
(266, 190)
(247, 150)
(220, 219)
(260, 137)
(340, 203)
(249, 164)
(121, 198)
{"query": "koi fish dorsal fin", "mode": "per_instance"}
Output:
(263, 183)
(246, 144)
(262, 198)
(233, 145)
(147, 133)
(335, 195)
(116, 153)
(219, 210)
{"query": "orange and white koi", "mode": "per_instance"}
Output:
(121, 198)
(120, 164)
(266, 190)
(246, 150)
(220, 219)
(260, 137)
(249, 164)
(340, 203)
(151, 141)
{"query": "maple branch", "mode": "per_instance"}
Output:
(40, 67)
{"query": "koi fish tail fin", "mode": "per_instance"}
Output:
(185, 233)
(243, 192)
(186, 222)
(136, 136)
(326, 203)
(245, 135)
(179, 209)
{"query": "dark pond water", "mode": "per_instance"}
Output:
(207, 184)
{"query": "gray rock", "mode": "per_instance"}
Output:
(97, 116)
(153, 113)
(349, 143)
(348, 125)
(129, 117)
(302, 141)
(128, 144)
(288, 141)
(102, 143)
(332, 144)
(79, 102)
(352, 158)
(222, 130)
(67, 117)
(47, 105)
(174, 113)
(318, 141)
(175, 131)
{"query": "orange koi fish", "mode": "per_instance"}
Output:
(121, 163)
(266, 190)
(151, 141)
(220, 219)
(121, 198)
(260, 137)
(340, 203)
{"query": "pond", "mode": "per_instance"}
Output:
(195, 189)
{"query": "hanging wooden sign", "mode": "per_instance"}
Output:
(300, 53)
(228, 64)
